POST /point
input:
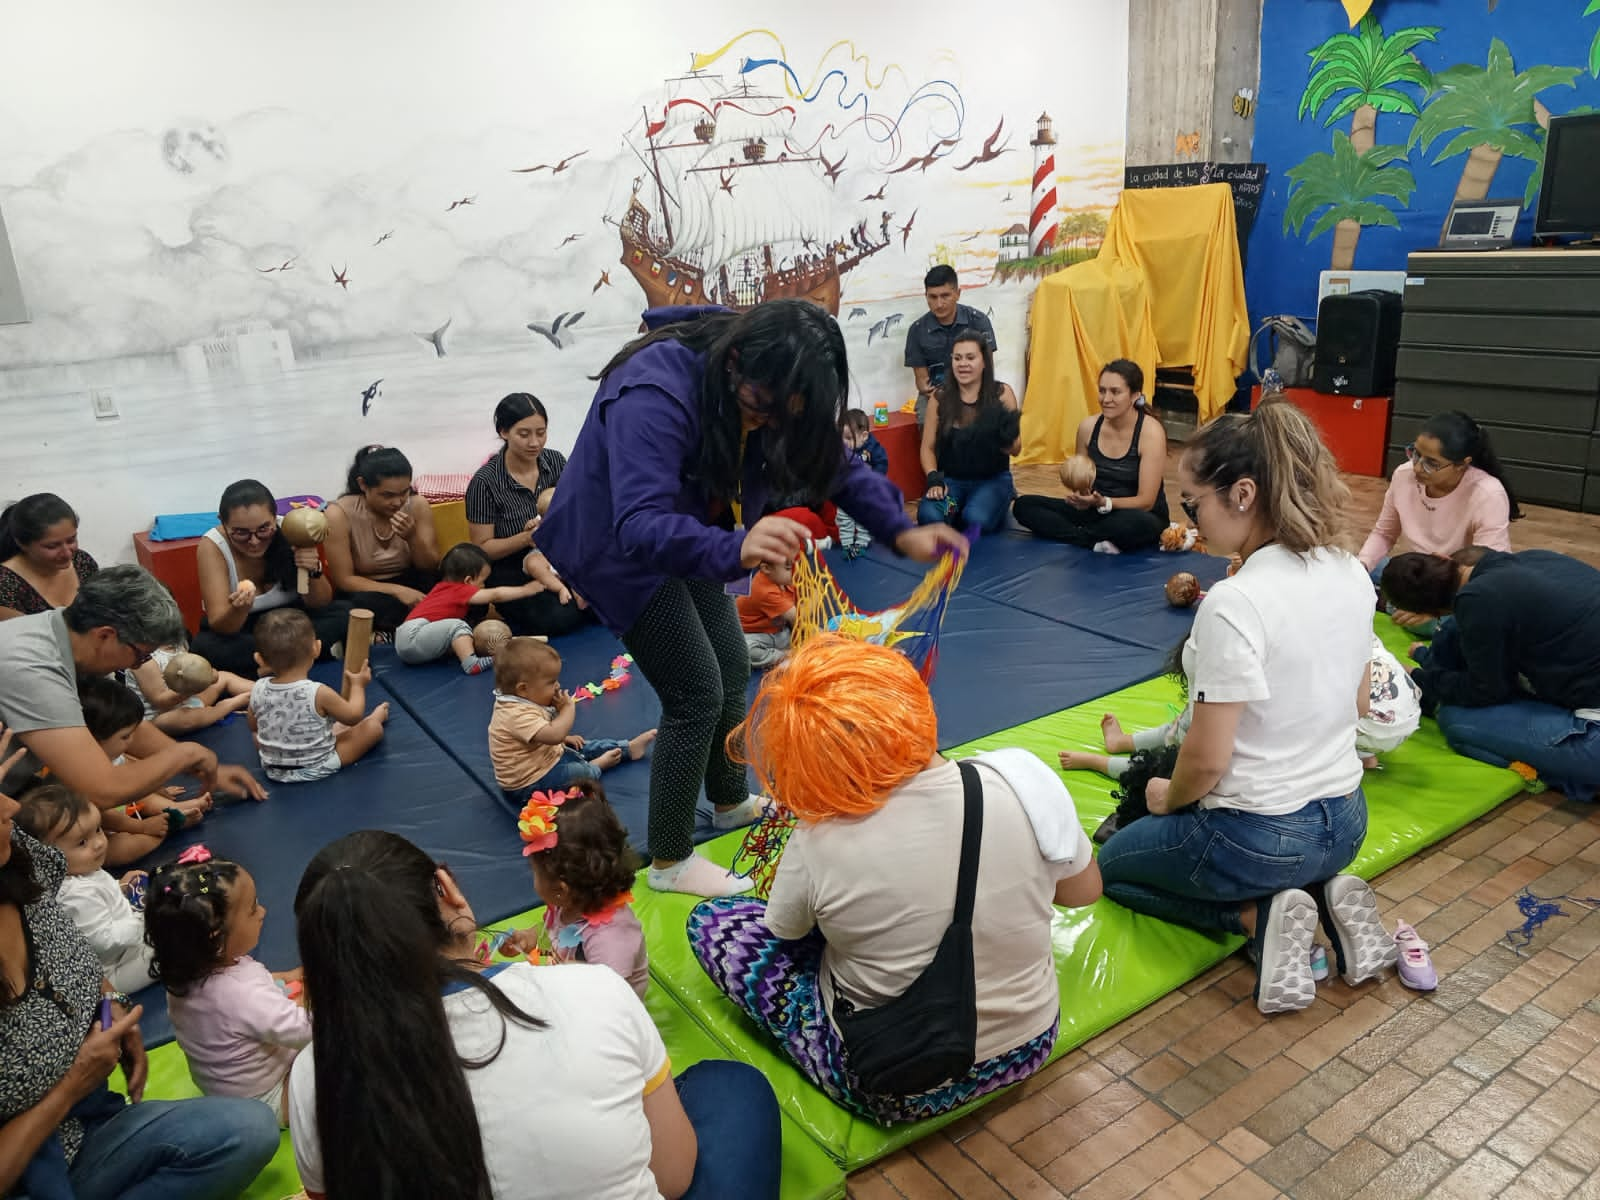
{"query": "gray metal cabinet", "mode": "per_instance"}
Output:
(1511, 337)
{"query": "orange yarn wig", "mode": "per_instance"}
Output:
(837, 728)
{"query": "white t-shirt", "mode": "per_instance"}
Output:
(561, 1110)
(1289, 636)
(882, 890)
(110, 925)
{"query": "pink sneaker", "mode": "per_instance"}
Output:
(1416, 968)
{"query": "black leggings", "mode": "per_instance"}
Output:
(236, 651)
(542, 614)
(689, 645)
(389, 612)
(1124, 528)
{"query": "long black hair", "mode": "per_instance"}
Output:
(1461, 438)
(26, 521)
(247, 493)
(394, 1115)
(950, 390)
(372, 465)
(793, 351)
(518, 407)
(21, 887)
(1421, 583)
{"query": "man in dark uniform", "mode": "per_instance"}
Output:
(932, 335)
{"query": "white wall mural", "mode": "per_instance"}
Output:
(263, 239)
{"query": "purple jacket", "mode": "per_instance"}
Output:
(625, 518)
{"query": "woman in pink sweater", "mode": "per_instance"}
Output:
(1449, 493)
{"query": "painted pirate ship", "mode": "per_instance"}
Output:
(726, 211)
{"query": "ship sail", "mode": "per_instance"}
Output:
(773, 204)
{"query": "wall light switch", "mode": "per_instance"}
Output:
(104, 403)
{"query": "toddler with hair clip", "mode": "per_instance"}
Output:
(584, 871)
(237, 1023)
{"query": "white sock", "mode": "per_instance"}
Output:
(752, 810)
(1106, 548)
(697, 876)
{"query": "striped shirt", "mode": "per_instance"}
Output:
(494, 498)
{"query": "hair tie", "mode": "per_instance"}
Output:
(537, 821)
(194, 854)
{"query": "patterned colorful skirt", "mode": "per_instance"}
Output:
(776, 982)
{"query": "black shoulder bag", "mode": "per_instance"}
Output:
(929, 1033)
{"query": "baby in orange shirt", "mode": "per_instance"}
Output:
(767, 614)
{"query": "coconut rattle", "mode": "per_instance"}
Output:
(304, 528)
(488, 636)
(188, 674)
(1077, 474)
(1183, 590)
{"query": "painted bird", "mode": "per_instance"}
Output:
(384, 238)
(727, 181)
(342, 278)
(436, 338)
(603, 281)
(988, 153)
(287, 265)
(553, 332)
(905, 230)
(877, 195)
(569, 239)
(1007, 199)
(973, 236)
(832, 170)
(556, 169)
(369, 395)
(882, 328)
(462, 203)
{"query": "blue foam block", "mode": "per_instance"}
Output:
(405, 785)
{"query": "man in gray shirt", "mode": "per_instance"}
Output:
(933, 335)
(120, 616)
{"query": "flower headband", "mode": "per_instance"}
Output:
(537, 820)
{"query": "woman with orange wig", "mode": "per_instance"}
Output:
(844, 736)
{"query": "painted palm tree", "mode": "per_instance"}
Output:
(1491, 110)
(1594, 46)
(1347, 189)
(1361, 74)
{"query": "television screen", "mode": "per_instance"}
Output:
(1569, 195)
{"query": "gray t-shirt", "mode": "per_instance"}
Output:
(39, 681)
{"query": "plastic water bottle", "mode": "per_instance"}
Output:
(880, 414)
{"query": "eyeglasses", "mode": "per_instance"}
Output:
(140, 655)
(262, 533)
(1425, 466)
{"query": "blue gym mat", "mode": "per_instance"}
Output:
(405, 785)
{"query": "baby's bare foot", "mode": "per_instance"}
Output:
(638, 745)
(1117, 741)
(1073, 760)
(607, 760)
(194, 810)
(380, 714)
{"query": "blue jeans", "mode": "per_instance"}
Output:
(204, 1149)
(575, 767)
(1561, 746)
(1197, 866)
(969, 502)
(735, 1120)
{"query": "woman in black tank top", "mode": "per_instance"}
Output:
(1127, 510)
(972, 430)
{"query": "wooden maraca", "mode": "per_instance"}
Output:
(1183, 590)
(1077, 474)
(303, 528)
(188, 674)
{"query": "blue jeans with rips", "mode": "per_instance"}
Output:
(983, 503)
(1198, 866)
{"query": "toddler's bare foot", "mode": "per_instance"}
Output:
(638, 745)
(607, 760)
(380, 714)
(1073, 760)
(1369, 762)
(234, 704)
(1117, 742)
(194, 810)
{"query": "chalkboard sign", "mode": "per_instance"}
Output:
(12, 310)
(1248, 181)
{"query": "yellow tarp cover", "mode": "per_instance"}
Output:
(1183, 247)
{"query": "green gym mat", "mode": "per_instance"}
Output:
(1111, 962)
(809, 1172)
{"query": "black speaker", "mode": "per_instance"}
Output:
(1358, 338)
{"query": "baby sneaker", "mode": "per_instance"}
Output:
(1416, 968)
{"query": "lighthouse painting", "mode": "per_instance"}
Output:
(1042, 211)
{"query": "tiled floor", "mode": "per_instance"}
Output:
(1488, 1087)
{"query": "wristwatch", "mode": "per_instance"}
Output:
(1105, 505)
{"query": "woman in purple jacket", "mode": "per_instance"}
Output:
(696, 425)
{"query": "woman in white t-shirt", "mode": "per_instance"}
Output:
(844, 735)
(431, 1074)
(1264, 807)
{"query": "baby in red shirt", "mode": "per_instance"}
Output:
(767, 614)
(439, 623)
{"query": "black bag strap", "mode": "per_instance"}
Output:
(971, 839)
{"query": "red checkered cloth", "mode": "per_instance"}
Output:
(436, 489)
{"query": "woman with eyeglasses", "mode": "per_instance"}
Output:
(246, 568)
(1265, 808)
(695, 428)
(382, 550)
(1450, 492)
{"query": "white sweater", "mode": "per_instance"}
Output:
(111, 926)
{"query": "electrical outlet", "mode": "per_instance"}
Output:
(104, 403)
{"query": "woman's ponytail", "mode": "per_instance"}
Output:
(1461, 438)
